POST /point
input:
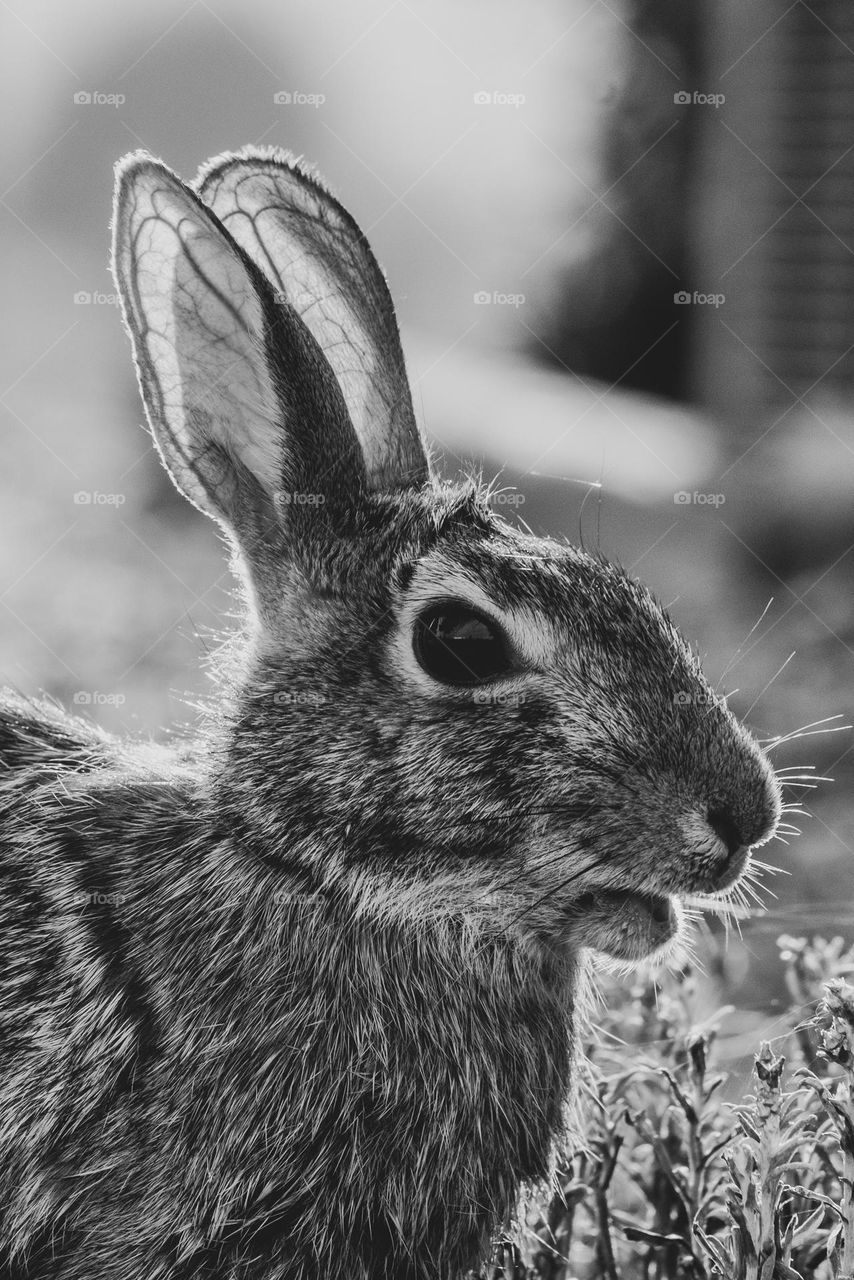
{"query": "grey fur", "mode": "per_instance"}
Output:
(299, 998)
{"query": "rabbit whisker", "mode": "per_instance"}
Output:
(807, 731)
(767, 686)
(734, 659)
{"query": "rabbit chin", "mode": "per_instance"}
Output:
(626, 926)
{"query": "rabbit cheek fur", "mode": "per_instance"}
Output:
(299, 998)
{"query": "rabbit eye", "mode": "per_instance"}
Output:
(457, 645)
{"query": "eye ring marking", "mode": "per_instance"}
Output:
(459, 645)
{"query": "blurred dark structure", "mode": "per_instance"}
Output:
(774, 215)
(752, 199)
(773, 230)
(729, 179)
(617, 321)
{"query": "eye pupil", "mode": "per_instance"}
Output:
(456, 645)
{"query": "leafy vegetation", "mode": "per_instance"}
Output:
(676, 1183)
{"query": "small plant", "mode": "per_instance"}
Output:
(677, 1180)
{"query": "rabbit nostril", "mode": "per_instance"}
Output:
(724, 826)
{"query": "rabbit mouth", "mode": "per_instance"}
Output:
(628, 926)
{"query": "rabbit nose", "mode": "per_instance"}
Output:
(726, 829)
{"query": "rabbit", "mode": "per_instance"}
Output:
(300, 997)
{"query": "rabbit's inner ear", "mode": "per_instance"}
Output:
(211, 366)
(316, 257)
(197, 325)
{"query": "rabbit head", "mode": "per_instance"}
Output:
(432, 712)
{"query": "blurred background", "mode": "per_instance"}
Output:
(620, 236)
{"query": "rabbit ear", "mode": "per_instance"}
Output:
(244, 408)
(315, 256)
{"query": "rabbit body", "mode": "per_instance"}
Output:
(298, 998)
(213, 1073)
